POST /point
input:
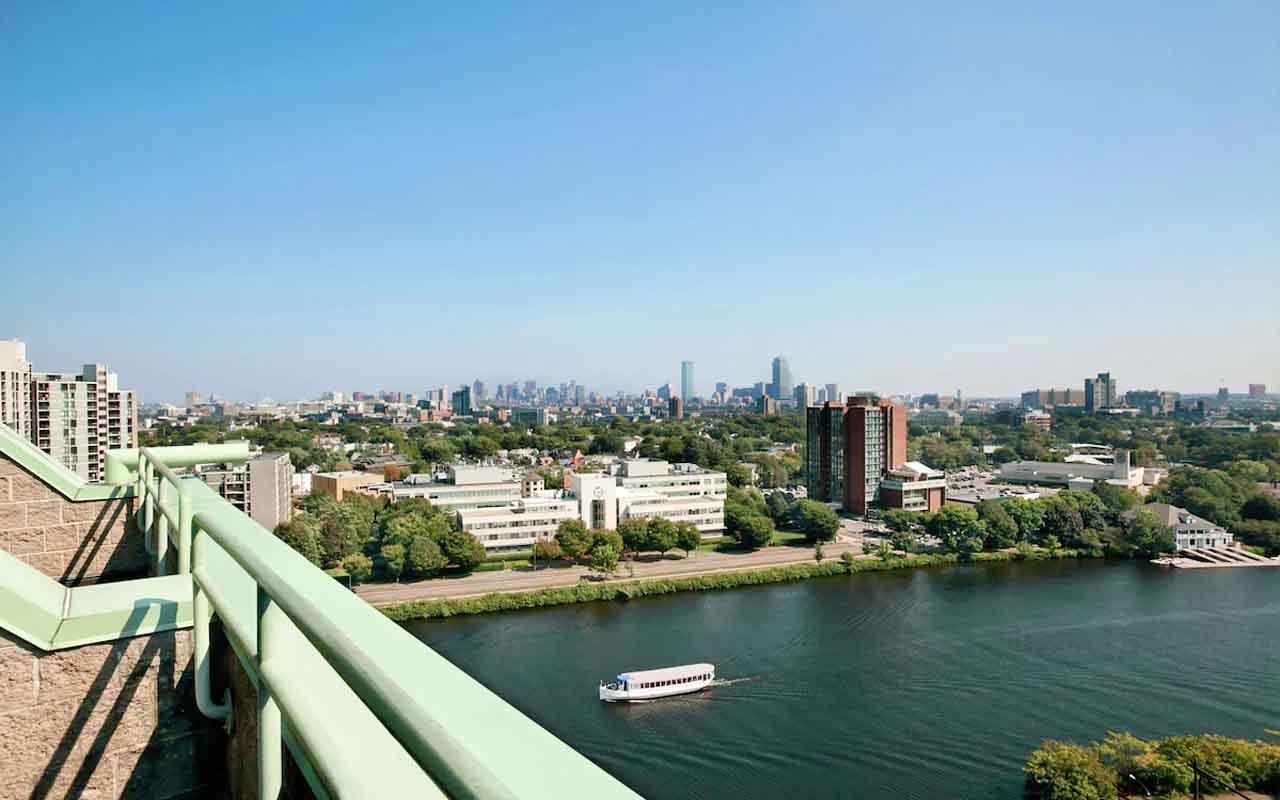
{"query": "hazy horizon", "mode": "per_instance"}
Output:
(279, 202)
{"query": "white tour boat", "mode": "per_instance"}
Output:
(653, 683)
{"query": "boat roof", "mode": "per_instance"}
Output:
(667, 673)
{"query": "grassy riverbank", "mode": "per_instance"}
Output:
(587, 592)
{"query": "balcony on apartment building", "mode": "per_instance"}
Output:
(157, 642)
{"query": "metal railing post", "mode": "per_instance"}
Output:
(270, 756)
(202, 613)
(148, 506)
(162, 529)
(184, 529)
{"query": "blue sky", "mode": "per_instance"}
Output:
(335, 196)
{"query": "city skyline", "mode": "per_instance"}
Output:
(884, 171)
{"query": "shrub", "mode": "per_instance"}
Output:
(359, 567)
(1064, 771)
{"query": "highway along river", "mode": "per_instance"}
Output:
(926, 683)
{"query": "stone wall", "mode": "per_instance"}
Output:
(105, 721)
(72, 542)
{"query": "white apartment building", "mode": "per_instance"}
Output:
(76, 419)
(262, 487)
(15, 387)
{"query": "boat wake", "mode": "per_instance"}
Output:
(729, 681)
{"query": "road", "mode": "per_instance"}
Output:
(525, 578)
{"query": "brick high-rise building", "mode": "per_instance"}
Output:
(851, 448)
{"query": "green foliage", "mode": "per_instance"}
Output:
(1064, 771)
(1001, 530)
(573, 538)
(393, 560)
(900, 521)
(957, 527)
(1263, 506)
(359, 567)
(463, 550)
(817, 521)
(1164, 766)
(662, 534)
(751, 528)
(1210, 493)
(302, 533)
(547, 550)
(688, 537)
(1260, 533)
(738, 475)
(1147, 535)
(424, 558)
(1028, 515)
(777, 505)
(604, 558)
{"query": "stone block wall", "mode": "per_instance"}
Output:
(72, 542)
(106, 721)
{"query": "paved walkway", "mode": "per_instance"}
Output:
(524, 578)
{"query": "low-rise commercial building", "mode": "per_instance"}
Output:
(913, 487)
(1075, 475)
(339, 484)
(464, 487)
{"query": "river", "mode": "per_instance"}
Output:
(922, 683)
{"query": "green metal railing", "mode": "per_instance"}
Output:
(364, 707)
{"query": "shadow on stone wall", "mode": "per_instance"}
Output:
(136, 731)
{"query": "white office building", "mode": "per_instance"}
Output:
(1076, 475)
(463, 488)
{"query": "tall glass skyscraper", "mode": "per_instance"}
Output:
(781, 387)
(686, 381)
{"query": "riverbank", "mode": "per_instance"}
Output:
(615, 589)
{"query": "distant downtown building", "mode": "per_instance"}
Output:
(1040, 398)
(74, 417)
(780, 388)
(675, 408)
(1257, 391)
(805, 394)
(851, 448)
(461, 402)
(1100, 393)
(1152, 401)
(686, 382)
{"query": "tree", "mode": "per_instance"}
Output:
(602, 537)
(604, 559)
(573, 538)
(359, 567)
(463, 550)
(954, 525)
(900, 520)
(662, 534)
(1147, 535)
(1064, 771)
(635, 534)
(1061, 520)
(1261, 505)
(738, 475)
(547, 549)
(817, 521)
(1028, 515)
(750, 528)
(1002, 531)
(391, 472)
(393, 560)
(424, 557)
(1117, 499)
(688, 537)
(302, 533)
(778, 505)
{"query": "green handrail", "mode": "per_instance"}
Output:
(468, 740)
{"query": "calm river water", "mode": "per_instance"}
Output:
(925, 683)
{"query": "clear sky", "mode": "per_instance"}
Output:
(903, 197)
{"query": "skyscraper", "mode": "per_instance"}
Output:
(833, 393)
(686, 381)
(1099, 393)
(478, 391)
(1257, 391)
(781, 387)
(806, 394)
(851, 448)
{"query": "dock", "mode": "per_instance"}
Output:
(1216, 558)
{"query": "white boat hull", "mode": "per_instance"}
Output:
(639, 695)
